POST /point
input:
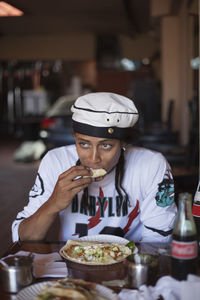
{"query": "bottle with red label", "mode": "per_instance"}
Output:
(184, 246)
(196, 212)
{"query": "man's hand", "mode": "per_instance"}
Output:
(68, 185)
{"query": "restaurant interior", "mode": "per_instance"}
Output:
(147, 50)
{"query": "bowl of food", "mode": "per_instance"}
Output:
(96, 258)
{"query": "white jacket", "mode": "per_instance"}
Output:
(147, 180)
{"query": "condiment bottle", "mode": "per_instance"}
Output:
(196, 212)
(184, 240)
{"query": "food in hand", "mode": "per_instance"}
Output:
(97, 173)
(91, 252)
(69, 289)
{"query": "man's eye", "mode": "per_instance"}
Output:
(83, 144)
(106, 146)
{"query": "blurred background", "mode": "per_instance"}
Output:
(51, 53)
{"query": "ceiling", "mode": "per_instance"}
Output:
(75, 23)
(130, 17)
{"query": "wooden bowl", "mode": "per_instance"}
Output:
(97, 273)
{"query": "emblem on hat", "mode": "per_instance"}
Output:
(110, 130)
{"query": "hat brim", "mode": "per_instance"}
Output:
(102, 132)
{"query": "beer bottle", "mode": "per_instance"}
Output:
(196, 212)
(184, 240)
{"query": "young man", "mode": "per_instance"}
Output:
(135, 198)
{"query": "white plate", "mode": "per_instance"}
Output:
(30, 292)
(105, 238)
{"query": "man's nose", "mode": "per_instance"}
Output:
(95, 156)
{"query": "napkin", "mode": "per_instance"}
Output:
(47, 265)
(191, 288)
(167, 287)
(143, 293)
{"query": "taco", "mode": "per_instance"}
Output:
(97, 173)
(69, 289)
(91, 252)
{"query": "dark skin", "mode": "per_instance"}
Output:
(93, 153)
(98, 153)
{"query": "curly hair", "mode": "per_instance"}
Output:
(118, 182)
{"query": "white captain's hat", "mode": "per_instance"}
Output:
(106, 115)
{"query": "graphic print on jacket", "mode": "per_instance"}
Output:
(101, 207)
(165, 194)
(38, 188)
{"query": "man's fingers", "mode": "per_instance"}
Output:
(76, 172)
(81, 182)
(78, 189)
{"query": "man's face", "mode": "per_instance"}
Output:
(97, 152)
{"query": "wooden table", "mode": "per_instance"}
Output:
(49, 247)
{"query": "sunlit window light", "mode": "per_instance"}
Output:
(128, 64)
(146, 61)
(43, 134)
(7, 10)
(194, 63)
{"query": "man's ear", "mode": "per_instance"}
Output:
(123, 144)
